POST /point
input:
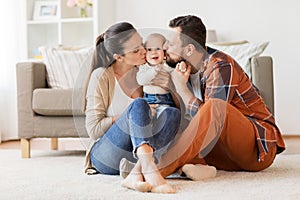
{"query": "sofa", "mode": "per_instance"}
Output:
(44, 112)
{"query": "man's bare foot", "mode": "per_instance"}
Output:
(199, 172)
(135, 180)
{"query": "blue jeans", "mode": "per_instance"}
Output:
(159, 99)
(134, 128)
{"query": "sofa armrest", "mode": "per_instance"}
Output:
(30, 75)
(262, 77)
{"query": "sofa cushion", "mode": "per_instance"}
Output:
(63, 65)
(54, 102)
(242, 52)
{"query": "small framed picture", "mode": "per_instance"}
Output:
(45, 10)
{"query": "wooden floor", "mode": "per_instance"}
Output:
(45, 144)
(292, 144)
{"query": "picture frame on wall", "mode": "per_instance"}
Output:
(45, 10)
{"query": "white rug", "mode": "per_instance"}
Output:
(59, 175)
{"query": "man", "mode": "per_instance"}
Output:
(231, 128)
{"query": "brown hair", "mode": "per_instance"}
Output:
(193, 27)
(107, 44)
(110, 43)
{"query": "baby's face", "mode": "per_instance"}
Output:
(154, 51)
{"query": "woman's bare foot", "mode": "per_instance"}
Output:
(150, 171)
(135, 180)
(153, 176)
(125, 167)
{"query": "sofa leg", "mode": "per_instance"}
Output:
(25, 148)
(54, 143)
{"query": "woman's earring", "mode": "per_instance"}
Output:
(189, 53)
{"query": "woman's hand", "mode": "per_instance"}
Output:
(163, 80)
(153, 109)
(115, 118)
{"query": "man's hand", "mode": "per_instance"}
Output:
(180, 76)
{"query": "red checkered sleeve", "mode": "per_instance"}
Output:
(193, 106)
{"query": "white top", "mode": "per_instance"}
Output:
(147, 73)
(195, 81)
(119, 102)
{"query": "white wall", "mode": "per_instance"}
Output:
(106, 13)
(9, 54)
(275, 21)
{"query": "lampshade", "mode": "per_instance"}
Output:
(211, 36)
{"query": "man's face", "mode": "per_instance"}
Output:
(173, 47)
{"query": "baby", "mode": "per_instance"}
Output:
(155, 62)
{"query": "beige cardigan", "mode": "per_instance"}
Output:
(99, 96)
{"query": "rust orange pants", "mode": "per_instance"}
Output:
(218, 135)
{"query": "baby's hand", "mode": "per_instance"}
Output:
(182, 67)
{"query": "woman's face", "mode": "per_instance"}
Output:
(134, 51)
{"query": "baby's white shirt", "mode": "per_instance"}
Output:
(147, 73)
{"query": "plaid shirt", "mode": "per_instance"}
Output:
(223, 78)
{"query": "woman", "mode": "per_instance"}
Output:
(118, 122)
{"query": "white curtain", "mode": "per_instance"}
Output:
(10, 51)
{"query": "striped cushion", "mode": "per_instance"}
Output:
(63, 65)
(242, 52)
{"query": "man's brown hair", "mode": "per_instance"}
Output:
(193, 30)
